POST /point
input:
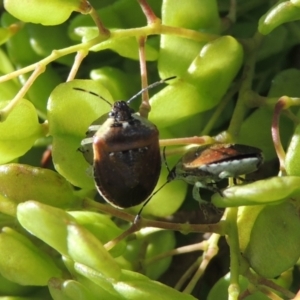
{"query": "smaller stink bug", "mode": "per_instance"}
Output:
(125, 154)
(205, 165)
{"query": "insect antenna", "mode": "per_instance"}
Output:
(149, 87)
(138, 216)
(165, 160)
(94, 94)
(133, 97)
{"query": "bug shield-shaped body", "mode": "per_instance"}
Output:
(203, 166)
(126, 157)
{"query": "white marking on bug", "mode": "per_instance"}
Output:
(87, 141)
(144, 149)
(94, 128)
(232, 168)
(90, 171)
(125, 124)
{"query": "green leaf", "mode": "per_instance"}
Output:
(69, 290)
(45, 186)
(292, 162)
(167, 200)
(126, 46)
(102, 227)
(280, 13)
(19, 131)
(70, 113)
(274, 238)
(272, 190)
(51, 12)
(47, 223)
(24, 263)
(135, 286)
(177, 53)
(85, 248)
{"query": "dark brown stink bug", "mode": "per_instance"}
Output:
(125, 154)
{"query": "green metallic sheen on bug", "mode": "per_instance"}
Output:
(205, 165)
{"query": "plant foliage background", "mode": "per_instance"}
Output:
(237, 73)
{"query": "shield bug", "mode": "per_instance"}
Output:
(125, 154)
(205, 165)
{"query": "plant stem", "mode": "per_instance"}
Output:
(233, 241)
(247, 76)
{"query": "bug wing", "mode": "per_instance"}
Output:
(126, 178)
